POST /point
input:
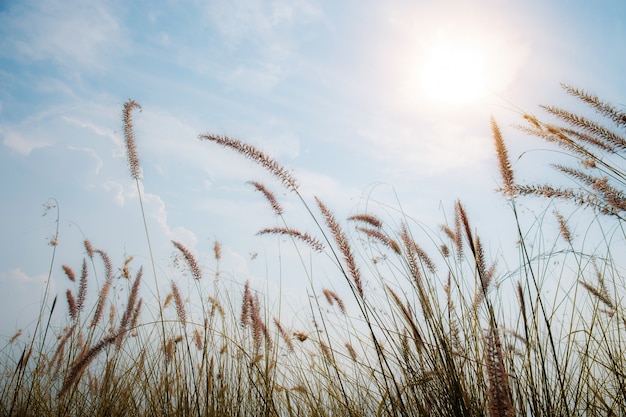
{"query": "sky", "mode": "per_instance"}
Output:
(348, 95)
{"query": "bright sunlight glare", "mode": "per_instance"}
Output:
(453, 73)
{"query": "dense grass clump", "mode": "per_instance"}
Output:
(426, 326)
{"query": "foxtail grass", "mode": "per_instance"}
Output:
(406, 321)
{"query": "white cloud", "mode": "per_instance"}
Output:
(265, 31)
(16, 275)
(20, 143)
(156, 208)
(118, 191)
(93, 154)
(160, 131)
(397, 147)
(26, 135)
(259, 77)
(119, 150)
(241, 19)
(323, 186)
(100, 131)
(20, 298)
(73, 34)
(164, 39)
(427, 148)
(53, 86)
(275, 141)
(153, 16)
(56, 125)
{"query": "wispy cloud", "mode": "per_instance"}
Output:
(387, 118)
(49, 127)
(117, 189)
(21, 143)
(242, 21)
(93, 154)
(155, 209)
(73, 34)
(427, 148)
(21, 307)
(254, 77)
(93, 127)
(25, 135)
(315, 183)
(262, 36)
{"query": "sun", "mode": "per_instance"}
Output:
(453, 73)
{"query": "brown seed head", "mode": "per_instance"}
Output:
(82, 288)
(269, 196)
(506, 171)
(180, 307)
(217, 250)
(89, 248)
(343, 244)
(563, 228)
(257, 156)
(367, 218)
(332, 298)
(129, 136)
(283, 333)
(69, 272)
(315, 244)
(71, 303)
(191, 260)
(498, 392)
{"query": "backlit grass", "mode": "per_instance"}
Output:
(418, 322)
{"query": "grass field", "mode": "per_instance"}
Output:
(448, 332)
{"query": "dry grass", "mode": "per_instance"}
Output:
(416, 335)
(313, 243)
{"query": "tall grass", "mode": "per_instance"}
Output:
(417, 323)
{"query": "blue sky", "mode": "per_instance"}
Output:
(330, 89)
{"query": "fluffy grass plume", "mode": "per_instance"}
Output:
(129, 137)
(257, 156)
(419, 321)
(314, 243)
